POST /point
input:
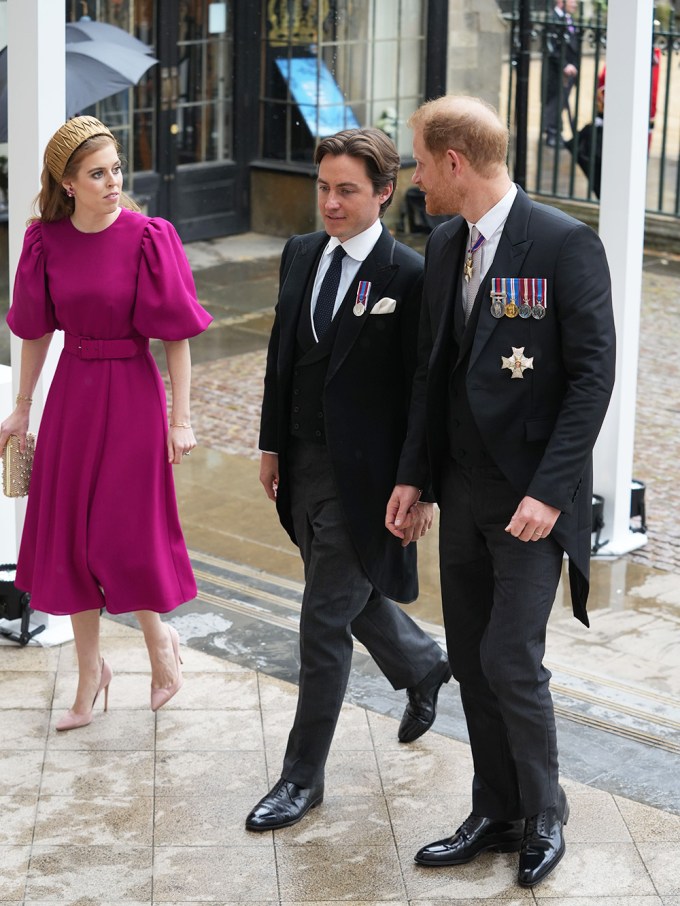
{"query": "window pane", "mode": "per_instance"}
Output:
(387, 14)
(347, 21)
(143, 140)
(358, 63)
(410, 67)
(190, 73)
(204, 114)
(411, 24)
(385, 70)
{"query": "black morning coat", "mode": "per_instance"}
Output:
(365, 398)
(540, 431)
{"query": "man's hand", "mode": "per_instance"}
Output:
(532, 520)
(400, 516)
(421, 517)
(269, 474)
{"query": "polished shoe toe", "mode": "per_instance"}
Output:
(543, 842)
(285, 804)
(421, 709)
(475, 835)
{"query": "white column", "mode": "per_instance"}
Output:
(622, 222)
(8, 533)
(35, 110)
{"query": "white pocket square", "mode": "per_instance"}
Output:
(384, 306)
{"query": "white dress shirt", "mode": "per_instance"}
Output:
(358, 248)
(491, 227)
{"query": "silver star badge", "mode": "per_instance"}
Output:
(517, 362)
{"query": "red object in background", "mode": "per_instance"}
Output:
(653, 91)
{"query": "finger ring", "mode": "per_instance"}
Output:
(537, 534)
(186, 453)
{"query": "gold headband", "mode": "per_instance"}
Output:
(69, 137)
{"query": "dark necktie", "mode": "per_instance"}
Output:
(325, 302)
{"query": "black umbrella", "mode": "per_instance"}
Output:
(87, 30)
(94, 71)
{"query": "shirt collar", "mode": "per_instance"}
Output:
(494, 220)
(360, 246)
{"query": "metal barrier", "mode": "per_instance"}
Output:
(564, 145)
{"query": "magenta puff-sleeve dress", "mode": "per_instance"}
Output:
(102, 527)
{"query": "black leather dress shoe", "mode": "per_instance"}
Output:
(421, 709)
(475, 835)
(283, 805)
(543, 843)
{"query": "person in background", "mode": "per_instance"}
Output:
(589, 154)
(341, 357)
(515, 371)
(653, 91)
(102, 529)
(563, 65)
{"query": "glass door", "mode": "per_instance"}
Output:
(176, 127)
(201, 179)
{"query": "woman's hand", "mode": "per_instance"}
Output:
(16, 423)
(33, 353)
(181, 442)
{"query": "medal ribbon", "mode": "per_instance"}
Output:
(468, 268)
(540, 284)
(498, 288)
(478, 244)
(362, 292)
(520, 291)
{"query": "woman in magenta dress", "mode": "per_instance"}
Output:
(101, 527)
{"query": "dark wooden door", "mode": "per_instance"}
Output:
(205, 141)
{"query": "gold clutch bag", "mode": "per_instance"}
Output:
(17, 466)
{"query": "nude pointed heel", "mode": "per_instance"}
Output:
(160, 697)
(71, 720)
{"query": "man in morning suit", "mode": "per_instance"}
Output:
(339, 369)
(515, 370)
(564, 59)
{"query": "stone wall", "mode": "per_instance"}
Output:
(478, 39)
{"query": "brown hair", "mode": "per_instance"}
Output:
(377, 151)
(52, 202)
(465, 124)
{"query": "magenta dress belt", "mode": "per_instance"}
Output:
(89, 348)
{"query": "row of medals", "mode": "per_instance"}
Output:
(501, 308)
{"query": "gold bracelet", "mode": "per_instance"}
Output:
(23, 399)
(179, 425)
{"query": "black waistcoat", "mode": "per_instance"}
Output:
(465, 442)
(309, 372)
